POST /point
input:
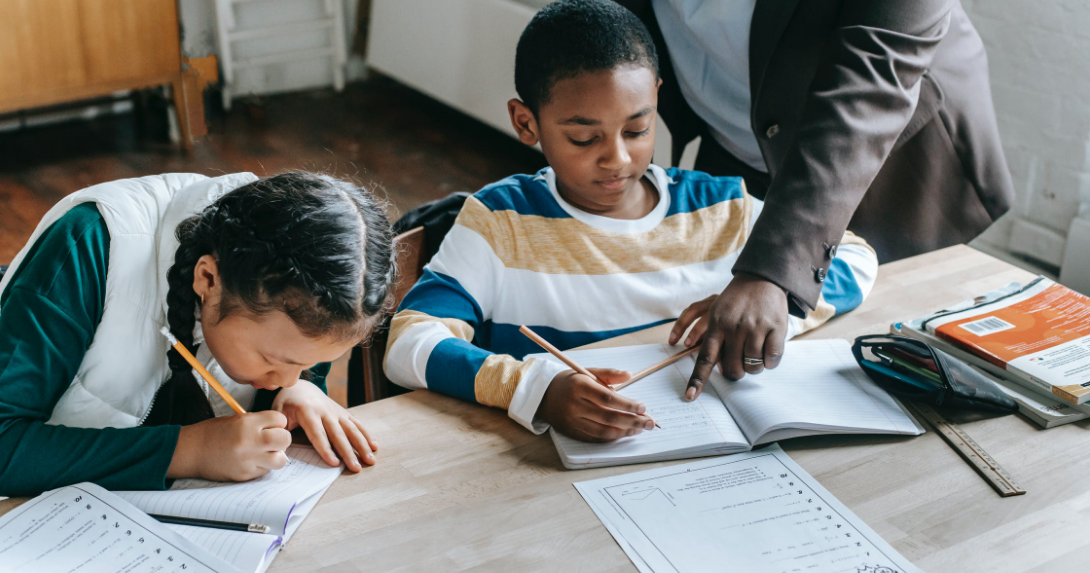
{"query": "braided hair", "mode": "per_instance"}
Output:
(311, 246)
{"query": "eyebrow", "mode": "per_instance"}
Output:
(285, 360)
(580, 120)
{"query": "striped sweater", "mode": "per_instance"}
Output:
(520, 254)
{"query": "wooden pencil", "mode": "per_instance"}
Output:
(656, 367)
(556, 352)
(565, 359)
(212, 383)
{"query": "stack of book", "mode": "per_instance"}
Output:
(1033, 340)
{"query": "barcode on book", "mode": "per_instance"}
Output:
(986, 326)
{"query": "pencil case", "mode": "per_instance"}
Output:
(914, 370)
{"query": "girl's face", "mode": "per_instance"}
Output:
(267, 351)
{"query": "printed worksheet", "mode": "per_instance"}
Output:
(85, 528)
(754, 512)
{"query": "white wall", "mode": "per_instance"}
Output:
(1039, 57)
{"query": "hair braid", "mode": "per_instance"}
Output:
(181, 400)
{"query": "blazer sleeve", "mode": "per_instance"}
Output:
(860, 101)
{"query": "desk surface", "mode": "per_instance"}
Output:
(461, 487)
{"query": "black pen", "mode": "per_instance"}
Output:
(248, 527)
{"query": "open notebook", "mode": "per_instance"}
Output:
(281, 499)
(817, 389)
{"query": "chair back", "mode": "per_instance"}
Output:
(366, 380)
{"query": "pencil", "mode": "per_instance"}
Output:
(248, 527)
(656, 367)
(177, 344)
(564, 358)
(556, 352)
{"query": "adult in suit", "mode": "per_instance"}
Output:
(874, 117)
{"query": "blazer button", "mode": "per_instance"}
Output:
(819, 274)
(772, 131)
(832, 252)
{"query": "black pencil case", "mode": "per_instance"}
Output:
(914, 370)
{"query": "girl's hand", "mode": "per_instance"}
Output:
(329, 426)
(583, 409)
(231, 448)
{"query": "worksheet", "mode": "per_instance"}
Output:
(85, 528)
(755, 512)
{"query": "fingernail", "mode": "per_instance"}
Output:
(641, 409)
(689, 341)
(690, 394)
(649, 425)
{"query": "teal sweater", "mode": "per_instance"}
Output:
(48, 317)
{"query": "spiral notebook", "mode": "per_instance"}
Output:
(281, 499)
(817, 389)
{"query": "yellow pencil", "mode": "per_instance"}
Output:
(203, 372)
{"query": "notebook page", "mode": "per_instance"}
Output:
(250, 552)
(687, 427)
(268, 500)
(817, 387)
(86, 528)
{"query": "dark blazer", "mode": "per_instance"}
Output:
(875, 116)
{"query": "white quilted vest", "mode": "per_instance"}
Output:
(127, 360)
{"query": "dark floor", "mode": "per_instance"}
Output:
(396, 141)
(378, 132)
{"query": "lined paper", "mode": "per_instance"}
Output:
(687, 427)
(268, 500)
(252, 552)
(818, 387)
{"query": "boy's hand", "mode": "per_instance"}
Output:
(231, 448)
(583, 409)
(748, 320)
(328, 426)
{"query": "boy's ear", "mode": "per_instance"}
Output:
(524, 122)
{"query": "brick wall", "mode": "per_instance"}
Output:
(1039, 56)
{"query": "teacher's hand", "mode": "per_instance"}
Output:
(747, 320)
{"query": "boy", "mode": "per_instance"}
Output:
(598, 244)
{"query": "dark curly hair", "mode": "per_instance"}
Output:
(570, 37)
(309, 245)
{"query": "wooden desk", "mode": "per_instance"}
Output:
(461, 487)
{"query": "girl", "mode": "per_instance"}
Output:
(263, 279)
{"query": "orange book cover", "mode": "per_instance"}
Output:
(1041, 333)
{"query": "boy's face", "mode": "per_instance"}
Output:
(598, 134)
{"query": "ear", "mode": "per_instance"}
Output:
(658, 85)
(206, 280)
(524, 122)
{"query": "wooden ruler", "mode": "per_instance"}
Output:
(971, 451)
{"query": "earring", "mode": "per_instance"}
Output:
(202, 299)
